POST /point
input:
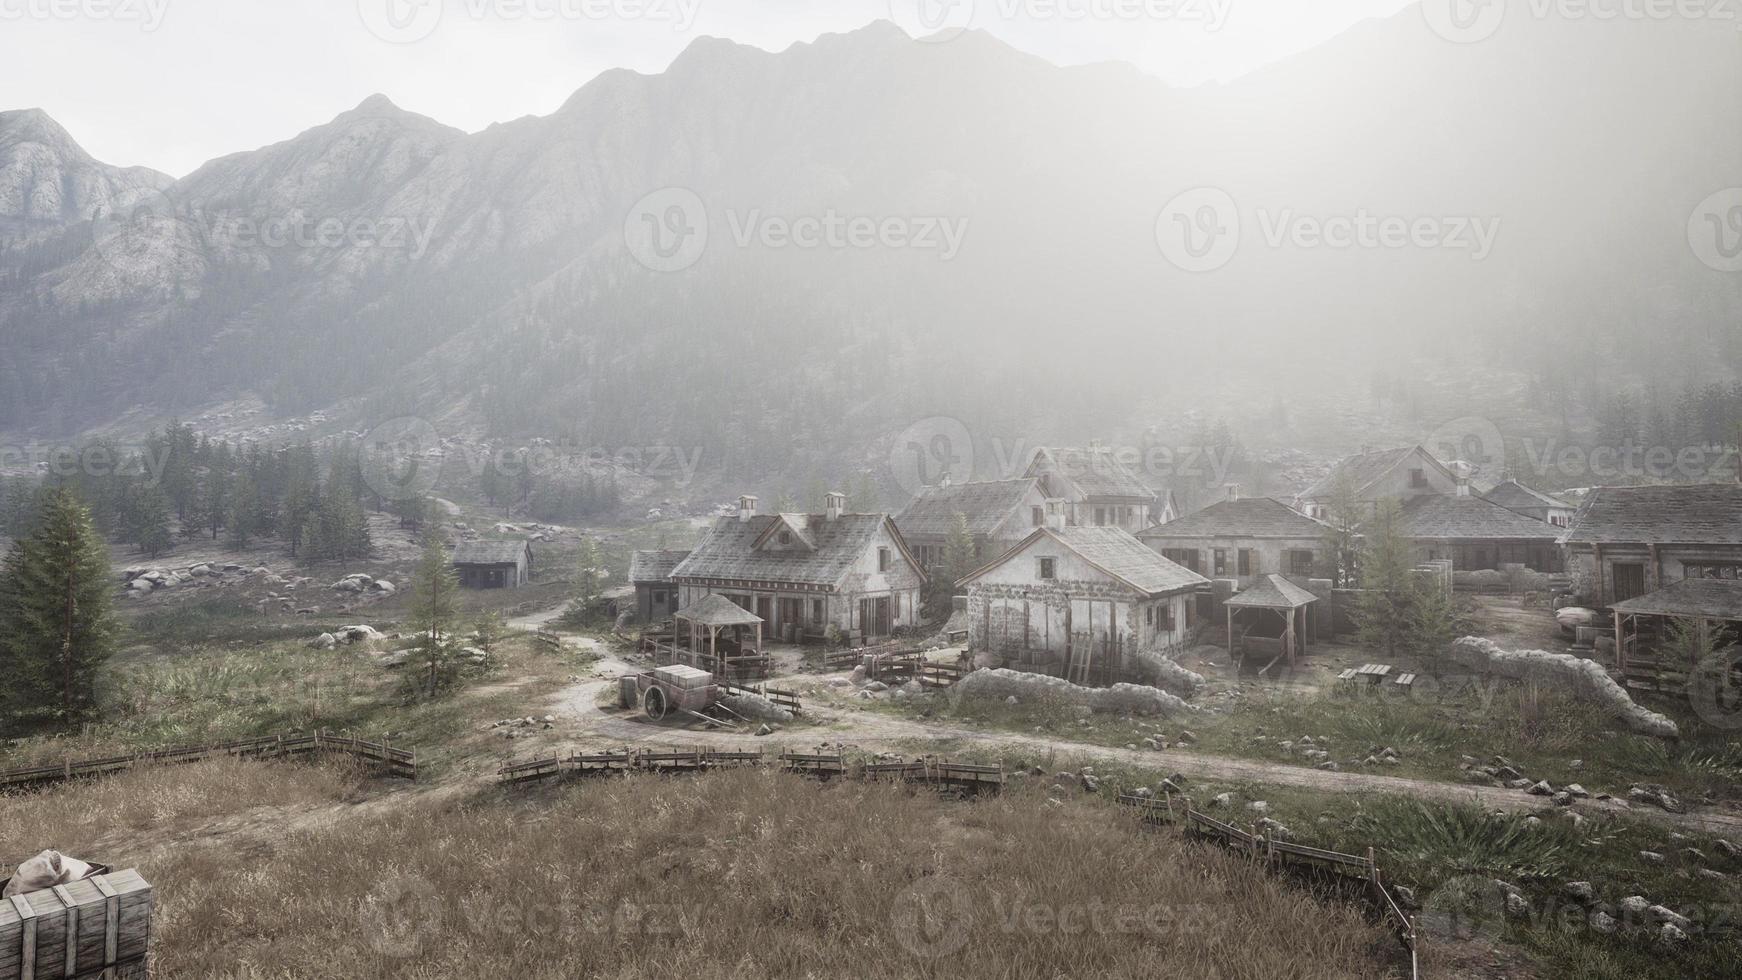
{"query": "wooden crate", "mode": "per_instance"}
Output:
(98, 926)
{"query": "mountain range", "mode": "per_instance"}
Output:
(501, 283)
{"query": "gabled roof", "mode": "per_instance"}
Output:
(717, 610)
(1513, 495)
(1097, 471)
(1696, 513)
(985, 505)
(1114, 552)
(1445, 517)
(1250, 517)
(1705, 598)
(794, 524)
(729, 550)
(490, 552)
(1365, 469)
(1272, 592)
(654, 566)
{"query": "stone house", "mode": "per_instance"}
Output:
(1624, 542)
(1390, 474)
(1077, 602)
(1245, 539)
(1098, 488)
(802, 573)
(493, 564)
(1517, 497)
(655, 593)
(999, 514)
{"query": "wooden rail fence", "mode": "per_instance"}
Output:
(396, 761)
(1260, 846)
(935, 772)
(781, 699)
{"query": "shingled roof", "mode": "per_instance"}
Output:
(985, 505)
(1115, 552)
(654, 566)
(1698, 598)
(1445, 517)
(1696, 513)
(717, 610)
(1365, 469)
(1097, 471)
(1513, 495)
(1251, 517)
(1273, 592)
(729, 550)
(489, 552)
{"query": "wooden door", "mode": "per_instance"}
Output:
(1629, 580)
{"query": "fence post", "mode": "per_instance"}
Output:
(1372, 868)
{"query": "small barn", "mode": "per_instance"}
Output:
(655, 593)
(493, 564)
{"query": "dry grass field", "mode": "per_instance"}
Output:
(749, 873)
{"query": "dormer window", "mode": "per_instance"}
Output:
(883, 559)
(1418, 478)
(786, 537)
(1048, 569)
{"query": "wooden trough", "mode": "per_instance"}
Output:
(97, 926)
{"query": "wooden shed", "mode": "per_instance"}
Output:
(493, 564)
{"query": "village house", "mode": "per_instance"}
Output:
(1624, 542)
(493, 564)
(998, 513)
(1077, 602)
(655, 593)
(1390, 474)
(1245, 539)
(1518, 498)
(1474, 533)
(802, 573)
(1099, 489)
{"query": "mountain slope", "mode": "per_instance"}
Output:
(511, 304)
(47, 179)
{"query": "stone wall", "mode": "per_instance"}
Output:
(1584, 679)
(1131, 699)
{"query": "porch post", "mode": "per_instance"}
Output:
(1620, 643)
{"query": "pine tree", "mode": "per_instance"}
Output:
(56, 627)
(1382, 610)
(489, 631)
(434, 609)
(1343, 514)
(147, 524)
(958, 562)
(243, 503)
(587, 575)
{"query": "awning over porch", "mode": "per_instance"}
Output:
(1288, 601)
(1693, 598)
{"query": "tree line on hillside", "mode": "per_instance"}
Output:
(181, 483)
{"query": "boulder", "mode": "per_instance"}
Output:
(326, 641)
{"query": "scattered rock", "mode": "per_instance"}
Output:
(1634, 905)
(1540, 788)
(1581, 892)
(1672, 934)
(1602, 922)
(1651, 857)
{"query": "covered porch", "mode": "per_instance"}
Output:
(1712, 605)
(717, 635)
(1271, 619)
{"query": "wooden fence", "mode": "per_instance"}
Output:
(779, 698)
(935, 772)
(1260, 846)
(550, 640)
(396, 761)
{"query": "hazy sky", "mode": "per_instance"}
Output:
(172, 83)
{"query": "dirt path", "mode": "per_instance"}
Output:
(577, 711)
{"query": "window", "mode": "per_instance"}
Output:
(1039, 516)
(1048, 568)
(1187, 557)
(1165, 617)
(1149, 616)
(1300, 562)
(1221, 565)
(816, 610)
(1100, 517)
(1711, 569)
(1418, 478)
(1245, 561)
(786, 537)
(883, 559)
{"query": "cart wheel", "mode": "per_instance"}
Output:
(653, 702)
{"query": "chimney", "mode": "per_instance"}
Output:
(746, 508)
(945, 481)
(834, 505)
(1463, 486)
(1233, 491)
